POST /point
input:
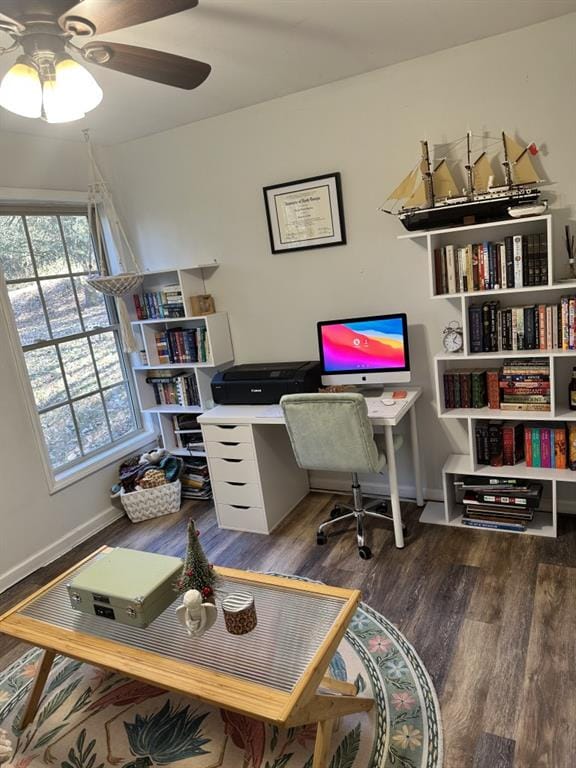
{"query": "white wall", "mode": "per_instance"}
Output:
(195, 193)
(34, 526)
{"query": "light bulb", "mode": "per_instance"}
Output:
(56, 106)
(21, 91)
(77, 85)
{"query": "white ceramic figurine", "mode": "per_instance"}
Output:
(195, 615)
(5, 747)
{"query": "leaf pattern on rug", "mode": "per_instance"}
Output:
(166, 736)
(347, 749)
(247, 734)
(78, 757)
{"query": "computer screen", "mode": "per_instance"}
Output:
(371, 350)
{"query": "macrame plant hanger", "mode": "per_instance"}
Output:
(129, 279)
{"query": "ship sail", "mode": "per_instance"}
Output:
(406, 187)
(481, 172)
(523, 171)
(419, 197)
(444, 184)
(513, 149)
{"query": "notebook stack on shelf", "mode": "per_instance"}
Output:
(497, 503)
(176, 389)
(525, 385)
(187, 432)
(195, 479)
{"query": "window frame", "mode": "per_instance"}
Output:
(98, 458)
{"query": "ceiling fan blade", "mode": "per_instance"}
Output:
(152, 65)
(24, 10)
(109, 15)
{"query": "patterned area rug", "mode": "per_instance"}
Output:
(91, 718)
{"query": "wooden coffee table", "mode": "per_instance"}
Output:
(276, 673)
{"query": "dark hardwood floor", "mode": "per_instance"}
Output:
(492, 615)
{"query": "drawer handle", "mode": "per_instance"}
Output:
(231, 444)
(226, 426)
(233, 461)
(229, 482)
(239, 506)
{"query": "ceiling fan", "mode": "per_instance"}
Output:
(47, 82)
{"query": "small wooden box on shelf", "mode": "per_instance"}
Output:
(509, 268)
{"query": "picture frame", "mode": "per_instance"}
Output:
(305, 214)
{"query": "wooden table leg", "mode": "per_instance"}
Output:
(322, 745)
(37, 688)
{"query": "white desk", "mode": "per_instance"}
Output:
(255, 479)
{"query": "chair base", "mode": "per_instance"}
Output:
(359, 511)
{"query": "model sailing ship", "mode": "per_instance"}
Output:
(430, 197)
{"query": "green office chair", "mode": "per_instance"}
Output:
(332, 432)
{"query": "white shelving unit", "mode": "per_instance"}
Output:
(218, 344)
(449, 512)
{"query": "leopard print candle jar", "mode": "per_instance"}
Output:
(239, 613)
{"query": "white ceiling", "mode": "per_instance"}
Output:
(262, 49)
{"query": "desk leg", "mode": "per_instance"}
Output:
(322, 745)
(416, 456)
(394, 495)
(37, 688)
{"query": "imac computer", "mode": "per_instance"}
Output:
(364, 350)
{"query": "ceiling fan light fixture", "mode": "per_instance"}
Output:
(77, 85)
(21, 89)
(56, 106)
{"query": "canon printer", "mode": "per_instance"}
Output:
(264, 383)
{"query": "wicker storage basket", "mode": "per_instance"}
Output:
(152, 502)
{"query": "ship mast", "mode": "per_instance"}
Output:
(506, 163)
(468, 166)
(427, 174)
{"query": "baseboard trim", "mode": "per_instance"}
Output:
(59, 547)
(407, 492)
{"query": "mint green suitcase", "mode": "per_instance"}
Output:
(127, 586)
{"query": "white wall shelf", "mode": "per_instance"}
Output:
(449, 512)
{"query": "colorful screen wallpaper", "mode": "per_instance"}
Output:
(364, 345)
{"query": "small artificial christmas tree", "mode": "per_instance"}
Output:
(197, 572)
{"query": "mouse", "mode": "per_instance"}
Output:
(387, 401)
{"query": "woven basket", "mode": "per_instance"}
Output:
(115, 285)
(152, 502)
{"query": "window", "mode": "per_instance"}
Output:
(69, 334)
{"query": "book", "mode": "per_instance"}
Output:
(518, 261)
(492, 525)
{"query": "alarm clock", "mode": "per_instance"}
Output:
(453, 338)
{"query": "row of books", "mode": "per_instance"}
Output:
(182, 345)
(536, 326)
(187, 432)
(195, 479)
(156, 305)
(516, 261)
(499, 504)
(519, 385)
(549, 446)
(176, 389)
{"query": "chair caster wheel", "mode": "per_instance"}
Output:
(321, 538)
(365, 553)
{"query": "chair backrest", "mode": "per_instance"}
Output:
(331, 431)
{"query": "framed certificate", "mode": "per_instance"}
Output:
(305, 214)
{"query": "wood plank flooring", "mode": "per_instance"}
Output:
(493, 616)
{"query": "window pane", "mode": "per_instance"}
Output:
(14, 252)
(91, 423)
(28, 313)
(92, 305)
(78, 243)
(45, 377)
(60, 436)
(61, 307)
(79, 368)
(47, 245)
(106, 354)
(119, 411)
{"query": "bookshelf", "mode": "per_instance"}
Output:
(560, 362)
(190, 348)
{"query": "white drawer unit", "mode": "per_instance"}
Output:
(227, 433)
(255, 478)
(241, 518)
(244, 494)
(235, 470)
(230, 450)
